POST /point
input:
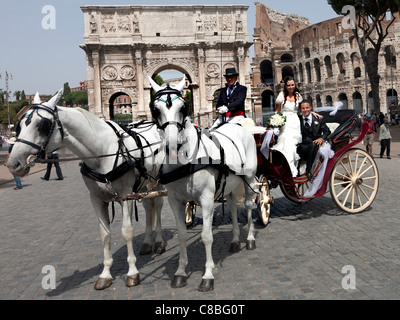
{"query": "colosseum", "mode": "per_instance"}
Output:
(325, 60)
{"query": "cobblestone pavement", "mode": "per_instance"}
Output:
(299, 255)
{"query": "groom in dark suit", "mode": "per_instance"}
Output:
(314, 132)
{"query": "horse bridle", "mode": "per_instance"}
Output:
(155, 113)
(46, 126)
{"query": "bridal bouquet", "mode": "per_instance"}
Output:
(277, 120)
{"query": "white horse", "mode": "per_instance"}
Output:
(188, 180)
(122, 167)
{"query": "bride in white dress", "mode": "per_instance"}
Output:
(290, 136)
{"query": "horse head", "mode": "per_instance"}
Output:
(169, 111)
(35, 135)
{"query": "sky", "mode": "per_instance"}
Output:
(42, 60)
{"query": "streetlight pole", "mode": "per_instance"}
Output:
(8, 77)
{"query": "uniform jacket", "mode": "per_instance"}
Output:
(236, 102)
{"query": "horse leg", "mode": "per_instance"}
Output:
(249, 187)
(159, 247)
(127, 233)
(149, 209)
(207, 284)
(101, 209)
(235, 244)
(180, 277)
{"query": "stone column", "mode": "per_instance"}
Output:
(242, 65)
(97, 83)
(140, 85)
(202, 80)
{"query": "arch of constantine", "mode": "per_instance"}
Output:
(126, 44)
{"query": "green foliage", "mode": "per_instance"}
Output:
(79, 98)
(121, 116)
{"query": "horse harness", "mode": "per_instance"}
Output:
(46, 127)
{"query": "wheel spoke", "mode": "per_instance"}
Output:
(362, 166)
(363, 192)
(348, 173)
(358, 197)
(367, 186)
(342, 183)
(348, 187)
(350, 165)
(347, 197)
(360, 175)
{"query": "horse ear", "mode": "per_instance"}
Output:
(154, 85)
(53, 101)
(37, 100)
(181, 85)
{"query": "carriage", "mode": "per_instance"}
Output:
(351, 174)
(121, 163)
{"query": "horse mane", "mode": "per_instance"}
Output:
(93, 121)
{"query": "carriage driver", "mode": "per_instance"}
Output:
(231, 102)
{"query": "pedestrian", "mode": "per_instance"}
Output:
(54, 157)
(396, 118)
(385, 137)
(11, 143)
(370, 137)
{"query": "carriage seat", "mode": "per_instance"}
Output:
(341, 125)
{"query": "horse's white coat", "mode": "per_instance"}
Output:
(240, 149)
(86, 135)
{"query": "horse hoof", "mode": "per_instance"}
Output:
(179, 282)
(132, 281)
(251, 244)
(102, 284)
(159, 248)
(146, 249)
(235, 247)
(206, 285)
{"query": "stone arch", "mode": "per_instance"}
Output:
(286, 58)
(191, 80)
(328, 66)
(317, 67)
(343, 98)
(308, 72)
(122, 55)
(110, 102)
(287, 71)
(357, 102)
(390, 57)
(267, 72)
(329, 101)
(268, 104)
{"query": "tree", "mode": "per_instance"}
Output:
(17, 95)
(67, 89)
(370, 16)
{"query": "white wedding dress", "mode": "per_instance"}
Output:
(290, 134)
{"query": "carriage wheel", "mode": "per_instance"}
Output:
(354, 181)
(190, 211)
(264, 201)
(295, 193)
